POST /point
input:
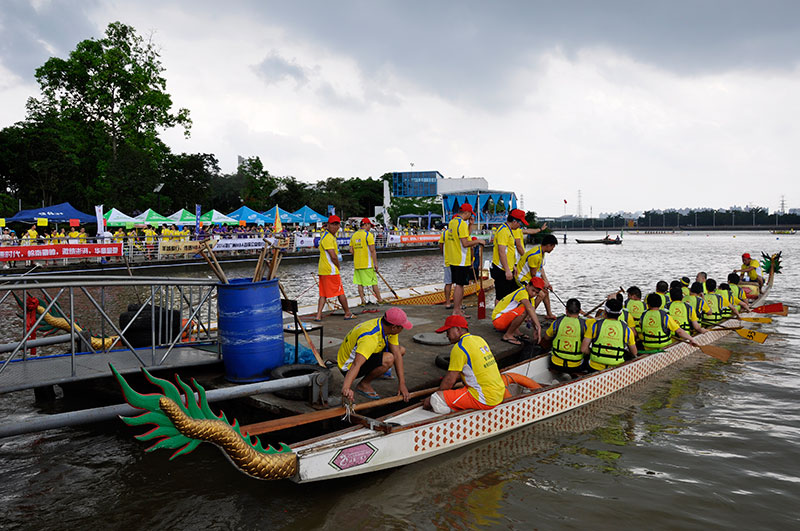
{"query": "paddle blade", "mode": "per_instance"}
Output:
(719, 353)
(757, 319)
(752, 335)
(481, 305)
(778, 307)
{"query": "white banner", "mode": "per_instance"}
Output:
(98, 213)
(304, 241)
(239, 244)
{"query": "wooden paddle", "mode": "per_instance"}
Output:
(481, 293)
(218, 269)
(259, 272)
(387, 285)
(777, 308)
(303, 328)
(276, 261)
(221, 276)
(756, 319)
(719, 353)
(747, 333)
(590, 312)
(260, 428)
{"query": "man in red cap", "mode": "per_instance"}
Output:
(504, 254)
(472, 360)
(458, 254)
(751, 270)
(330, 282)
(369, 350)
(365, 261)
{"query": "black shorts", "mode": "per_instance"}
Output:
(502, 287)
(372, 363)
(461, 275)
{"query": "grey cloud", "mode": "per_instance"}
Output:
(27, 32)
(275, 68)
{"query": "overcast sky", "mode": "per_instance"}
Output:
(637, 104)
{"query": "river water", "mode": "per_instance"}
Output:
(700, 445)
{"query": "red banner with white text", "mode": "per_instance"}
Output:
(55, 252)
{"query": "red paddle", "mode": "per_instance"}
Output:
(778, 307)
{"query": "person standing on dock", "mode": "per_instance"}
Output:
(532, 265)
(330, 282)
(458, 254)
(448, 279)
(504, 254)
(365, 260)
(369, 350)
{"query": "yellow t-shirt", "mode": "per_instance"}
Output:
(366, 338)
(530, 263)
(473, 358)
(518, 236)
(504, 236)
(755, 273)
(326, 265)
(510, 302)
(454, 253)
(360, 242)
(149, 235)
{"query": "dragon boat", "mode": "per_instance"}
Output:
(406, 436)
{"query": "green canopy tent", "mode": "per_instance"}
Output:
(213, 216)
(151, 217)
(182, 217)
(115, 218)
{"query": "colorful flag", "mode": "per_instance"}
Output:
(278, 227)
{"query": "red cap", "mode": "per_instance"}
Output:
(366, 220)
(453, 321)
(746, 255)
(537, 282)
(520, 215)
(466, 207)
(397, 317)
(334, 219)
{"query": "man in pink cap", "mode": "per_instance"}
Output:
(458, 254)
(369, 350)
(330, 282)
(365, 261)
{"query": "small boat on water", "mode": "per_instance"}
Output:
(782, 231)
(406, 436)
(604, 241)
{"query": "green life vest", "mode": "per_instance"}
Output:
(566, 350)
(681, 311)
(716, 305)
(608, 343)
(697, 303)
(655, 332)
(636, 309)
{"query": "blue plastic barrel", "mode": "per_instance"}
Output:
(250, 329)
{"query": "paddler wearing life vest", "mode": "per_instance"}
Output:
(657, 327)
(696, 300)
(751, 270)
(662, 289)
(719, 302)
(566, 335)
(683, 312)
(701, 277)
(738, 292)
(608, 342)
(634, 304)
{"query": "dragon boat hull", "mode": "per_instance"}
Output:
(403, 437)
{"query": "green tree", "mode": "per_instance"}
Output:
(188, 178)
(258, 183)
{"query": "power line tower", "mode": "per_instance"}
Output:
(783, 204)
(580, 205)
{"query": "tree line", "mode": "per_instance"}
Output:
(92, 137)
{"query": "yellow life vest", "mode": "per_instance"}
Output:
(608, 343)
(681, 311)
(566, 350)
(655, 332)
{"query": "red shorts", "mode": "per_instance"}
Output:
(502, 323)
(458, 399)
(330, 286)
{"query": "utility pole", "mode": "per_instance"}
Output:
(580, 205)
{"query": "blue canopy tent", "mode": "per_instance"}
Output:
(308, 216)
(286, 216)
(429, 215)
(248, 215)
(60, 213)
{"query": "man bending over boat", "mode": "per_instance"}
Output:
(510, 312)
(472, 360)
(369, 350)
(751, 270)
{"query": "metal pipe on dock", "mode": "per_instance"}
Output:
(87, 416)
